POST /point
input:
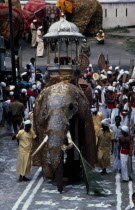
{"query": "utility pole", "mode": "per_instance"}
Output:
(12, 42)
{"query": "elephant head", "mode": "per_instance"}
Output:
(54, 110)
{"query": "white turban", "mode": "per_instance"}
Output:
(94, 109)
(109, 72)
(125, 128)
(3, 84)
(110, 68)
(90, 65)
(124, 97)
(103, 77)
(40, 27)
(27, 122)
(34, 87)
(106, 122)
(23, 90)
(34, 21)
(11, 93)
(117, 68)
(99, 87)
(126, 72)
(126, 86)
(110, 88)
(130, 81)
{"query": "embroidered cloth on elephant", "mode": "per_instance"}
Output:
(4, 21)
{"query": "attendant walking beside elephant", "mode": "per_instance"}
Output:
(25, 137)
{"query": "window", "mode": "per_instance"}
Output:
(105, 12)
(116, 12)
(126, 12)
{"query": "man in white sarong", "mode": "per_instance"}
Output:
(125, 150)
(25, 137)
(40, 46)
(116, 128)
(33, 28)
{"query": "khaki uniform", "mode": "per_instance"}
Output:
(104, 139)
(40, 46)
(97, 123)
(25, 144)
(34, 34)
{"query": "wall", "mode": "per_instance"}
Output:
(118, 14)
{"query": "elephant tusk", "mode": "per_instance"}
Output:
(40, 146)
(69, 138)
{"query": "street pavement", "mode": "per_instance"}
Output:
(115, 48)
(39, 194)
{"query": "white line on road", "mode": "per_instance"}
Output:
(25, 192)
(118, 191)
(130, 186)
(30, 198)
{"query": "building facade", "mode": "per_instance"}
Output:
(115, 12)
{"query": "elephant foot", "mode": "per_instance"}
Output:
(60, 188)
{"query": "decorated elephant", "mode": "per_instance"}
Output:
(86, 14)
(4, 21)
(62, 113)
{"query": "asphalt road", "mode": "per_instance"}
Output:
(38, 194)
(115, 48)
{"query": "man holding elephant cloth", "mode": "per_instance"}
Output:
(25, 137)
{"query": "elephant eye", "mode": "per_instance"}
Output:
(71, 106)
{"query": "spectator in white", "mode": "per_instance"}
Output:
(116, 128)
(132, 204)
(40, 46)
(33, 27)
(90, 68)
(2, 85)
(24, 98)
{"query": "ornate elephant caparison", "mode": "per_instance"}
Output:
(59, 110)
(86, 14)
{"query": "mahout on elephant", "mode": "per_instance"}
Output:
(62, 113)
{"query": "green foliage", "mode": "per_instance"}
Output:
(131, 45)
(118, 30)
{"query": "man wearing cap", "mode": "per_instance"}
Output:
(97, 118)
(33, 27)
(25, 137)
(105, 135)
(40, 46)
(125, 150)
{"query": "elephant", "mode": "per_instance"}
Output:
(86, 14)
(5, 26)
(62, 113)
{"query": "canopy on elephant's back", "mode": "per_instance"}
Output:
(63, 29)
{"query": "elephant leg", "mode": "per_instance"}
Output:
(58, 176)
